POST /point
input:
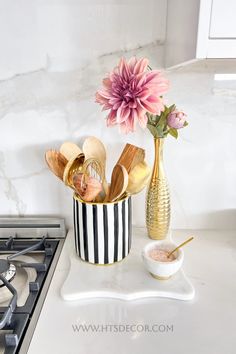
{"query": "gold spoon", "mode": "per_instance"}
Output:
(181, 245)
(72, 167)
(138, 178)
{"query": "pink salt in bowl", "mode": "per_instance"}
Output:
(156, 261)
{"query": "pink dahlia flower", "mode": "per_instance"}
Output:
(130, 91)
(176, 119)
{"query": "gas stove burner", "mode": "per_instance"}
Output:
(7, 270)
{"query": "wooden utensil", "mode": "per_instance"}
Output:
(70, 150)
(131, 156)
(56, 162)
(94, 148)
(181, 245)
(119, 182)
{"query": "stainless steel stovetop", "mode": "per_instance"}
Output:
(29, 251)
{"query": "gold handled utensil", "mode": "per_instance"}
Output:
(93, 168)
(73, 166)
(88, 181)
(181, 245)
(94, 148)
(86, 187)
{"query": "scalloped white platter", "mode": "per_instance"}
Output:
(125, 280)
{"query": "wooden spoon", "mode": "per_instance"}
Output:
(94, 148)
(70, 150)
(56, 162)
(119, 182)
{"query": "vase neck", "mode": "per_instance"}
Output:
(158, 169)
(158, 144)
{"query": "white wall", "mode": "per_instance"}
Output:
(39, 110)
(68, 34)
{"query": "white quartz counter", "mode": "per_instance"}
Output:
(204, 325)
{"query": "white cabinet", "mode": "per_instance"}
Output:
(198, 29)
(223, 24)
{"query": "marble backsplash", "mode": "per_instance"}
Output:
(40, 110)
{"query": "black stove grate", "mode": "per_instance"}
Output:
(20, 316)
(17, 327)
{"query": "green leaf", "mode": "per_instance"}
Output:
(173, 132)
(160, 131)
(156, 131)
(169, 109)
(185, 124)
(165, 133)
(151, 118)
(152, 130)
(172, 108)
(162, 119)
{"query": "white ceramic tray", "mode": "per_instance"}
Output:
(126, 280)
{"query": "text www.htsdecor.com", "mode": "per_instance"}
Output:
(123, 328)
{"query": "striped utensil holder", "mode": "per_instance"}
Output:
(102, 230)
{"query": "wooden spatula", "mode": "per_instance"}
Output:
(119, 182)
(56, 162)
(131, 156)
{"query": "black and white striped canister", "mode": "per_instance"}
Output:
(102, 230)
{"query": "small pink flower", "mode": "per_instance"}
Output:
(176, 119)
(130, 91)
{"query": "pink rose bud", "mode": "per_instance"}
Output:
(176, 119)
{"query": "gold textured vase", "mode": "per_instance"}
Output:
(158, 197)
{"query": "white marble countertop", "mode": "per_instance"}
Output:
(204, 325)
